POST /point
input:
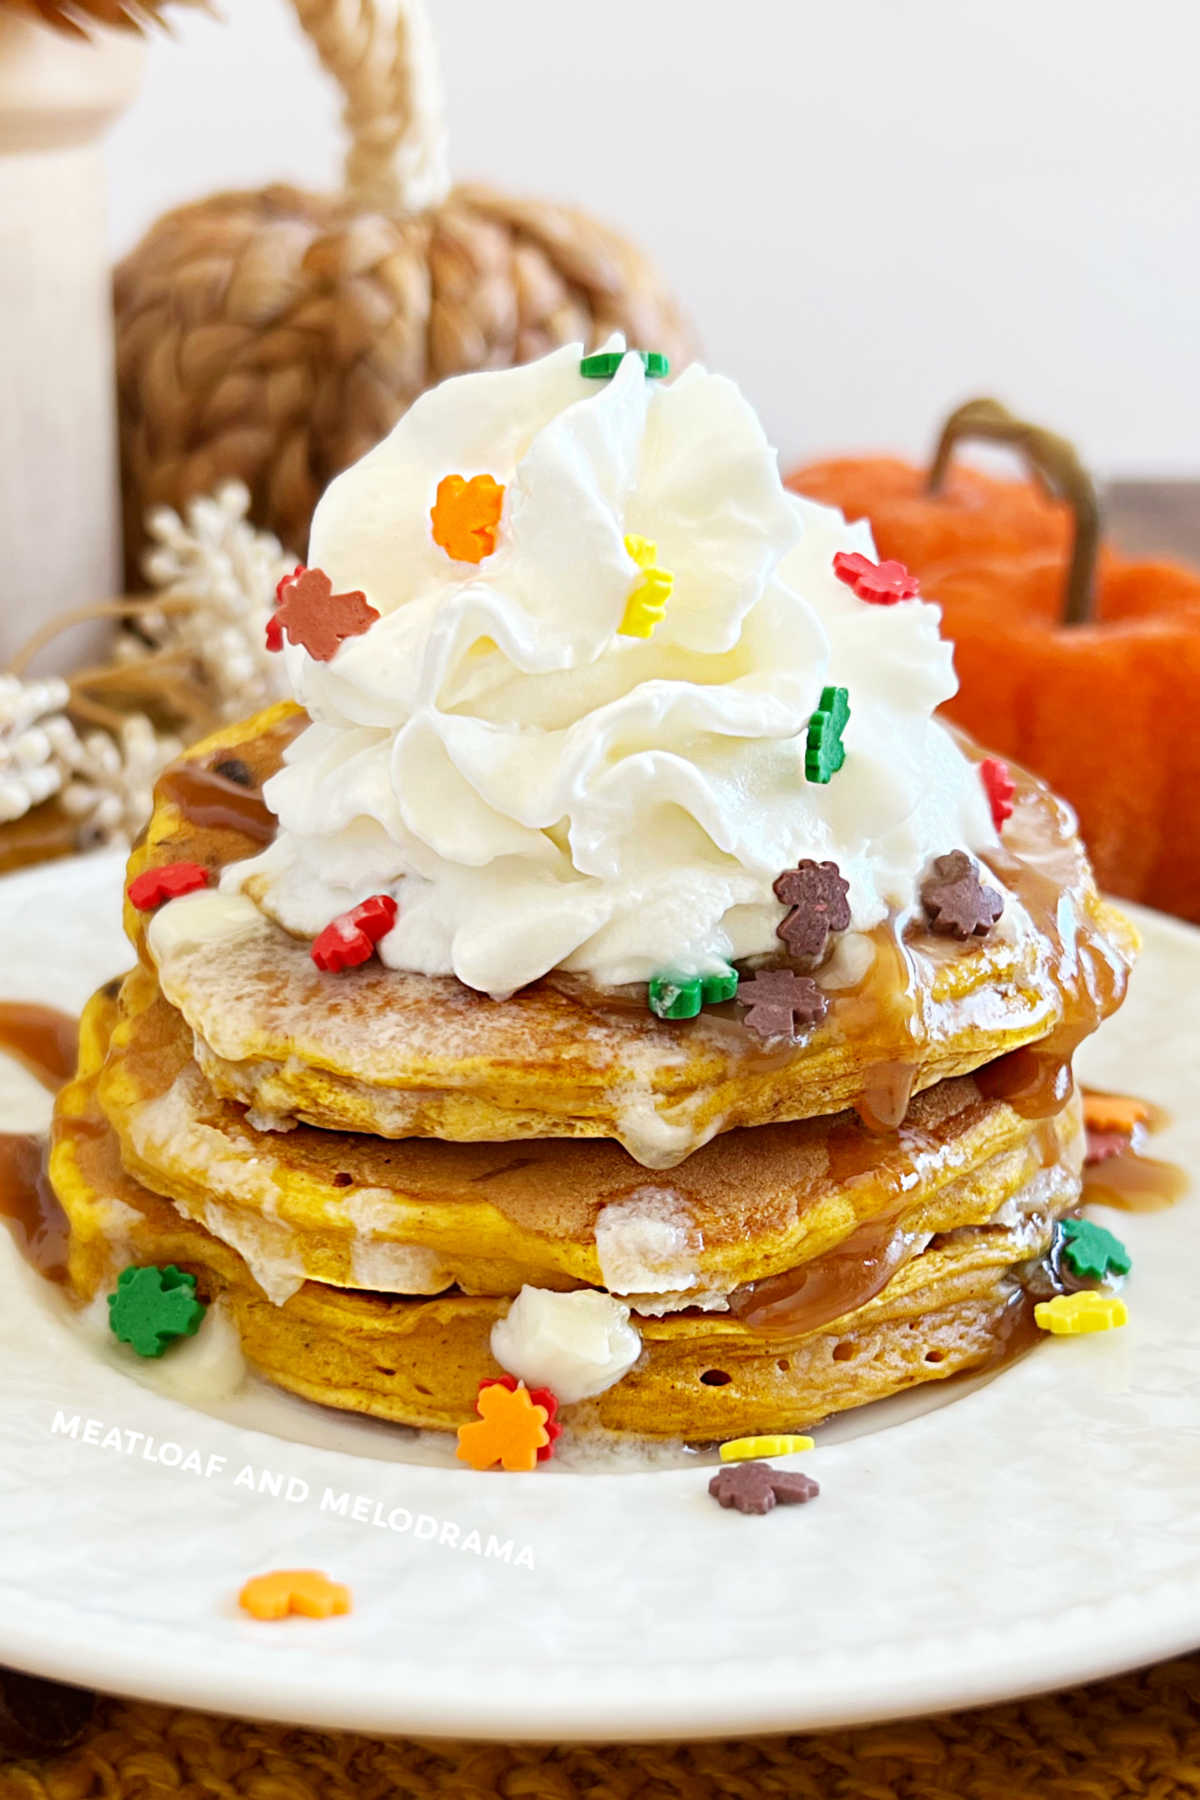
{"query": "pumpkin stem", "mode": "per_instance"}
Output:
(382, 55)
(1056, 463)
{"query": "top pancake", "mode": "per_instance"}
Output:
(397, 1054)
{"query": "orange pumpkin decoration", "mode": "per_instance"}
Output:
(1074, 660)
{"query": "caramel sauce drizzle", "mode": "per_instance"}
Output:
(210, 801)
(842, 1279)
(892, 1003)
(803, 1299)
(44, 1040)
(211, 797)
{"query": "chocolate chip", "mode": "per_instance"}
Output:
(341, 1179)
(817, 894)
(234, 769)
(956, 902)
(778, 1002)
(757, 1487)
(38, 1716)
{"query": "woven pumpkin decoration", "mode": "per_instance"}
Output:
(77, 16)
(275, 336)
(1079, 662)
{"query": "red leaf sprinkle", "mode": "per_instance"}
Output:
(879, 584)
(999, 787)
(168, 882)
(350, 939)
(314, 616)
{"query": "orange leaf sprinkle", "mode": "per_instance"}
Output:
(285, 1591)
(466, 516)
(510, 1429)
(1114, 1112)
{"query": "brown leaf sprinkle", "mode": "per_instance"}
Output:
(816, 893)
(956, 902)
(777, 1001)
(756, 1487)
(313, 615)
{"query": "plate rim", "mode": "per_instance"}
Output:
(739, 1697)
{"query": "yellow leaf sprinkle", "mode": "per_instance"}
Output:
(1070, 1315)
(742, 1449)
(648, 600)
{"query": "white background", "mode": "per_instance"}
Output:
(873, 208)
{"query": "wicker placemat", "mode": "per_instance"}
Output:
(1137, 1736)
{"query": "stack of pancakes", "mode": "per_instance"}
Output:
(367, 1167)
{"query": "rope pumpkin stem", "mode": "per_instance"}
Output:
(382, 55)
(1056, 463)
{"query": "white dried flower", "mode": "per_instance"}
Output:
(31, 731)
(215, 559)
(220, 576)
(111, 787)
(105, 783)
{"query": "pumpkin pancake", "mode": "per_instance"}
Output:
(953, 1306)
(399, 1054)
(412, 1216)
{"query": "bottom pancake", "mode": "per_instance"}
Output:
(952, 1307)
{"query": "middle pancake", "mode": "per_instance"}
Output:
(413, 1216)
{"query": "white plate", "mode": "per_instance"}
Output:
(1032, 1531)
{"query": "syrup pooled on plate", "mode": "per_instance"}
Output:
(1124, 1175)
(41, 1038)
(29, 1206)
(44, 1041)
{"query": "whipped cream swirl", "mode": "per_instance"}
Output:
(539, 791)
